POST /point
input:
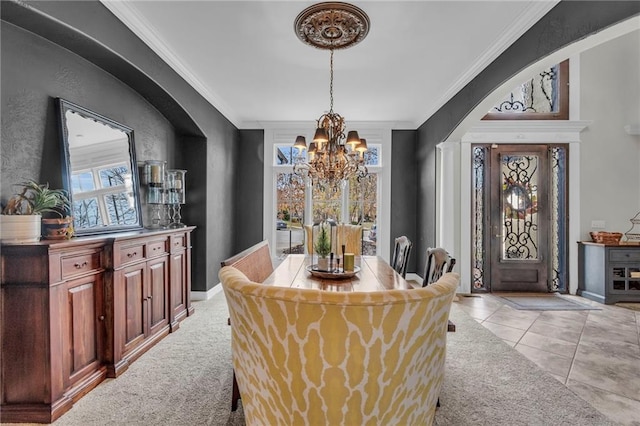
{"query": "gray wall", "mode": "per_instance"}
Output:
(249, 190)
(119, 77)
(567, 22)
(404, 180)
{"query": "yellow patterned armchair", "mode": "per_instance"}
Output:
(304, 356)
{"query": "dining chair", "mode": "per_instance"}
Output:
(438, 262)
(255, 262)
(311, 232)
(307, 356)
(401, 252)
(351, 237)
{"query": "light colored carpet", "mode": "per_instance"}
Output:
(543, 302)
(186, 380)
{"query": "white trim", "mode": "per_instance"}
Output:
(525, 131)
(464, 254)
(445, 200)
(574, 215)
(206, 295)
(130, 16)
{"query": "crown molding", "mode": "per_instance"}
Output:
(149, 35)
(526, 131)
(527, 18)
(310, 125)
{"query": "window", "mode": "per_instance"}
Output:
(285, 155)
(298, 203)
(290, 190)
(290, 196)
(543, 97)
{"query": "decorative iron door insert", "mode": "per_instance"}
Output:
(519, 217)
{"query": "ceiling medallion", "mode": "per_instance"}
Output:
(332, 25)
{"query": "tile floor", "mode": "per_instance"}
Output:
(595, 353)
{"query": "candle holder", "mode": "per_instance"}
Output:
(175, 186)
(154, 177)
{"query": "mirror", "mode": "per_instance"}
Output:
(99, 171)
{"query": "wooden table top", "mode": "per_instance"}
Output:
(375, 275)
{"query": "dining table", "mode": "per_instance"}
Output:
(371, 273)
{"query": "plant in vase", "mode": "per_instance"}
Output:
(323, 247)
(21, 218)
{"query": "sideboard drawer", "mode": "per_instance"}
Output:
(178, 242)
(131, 254)
(80, 264)
(156, 248)
(624, 255)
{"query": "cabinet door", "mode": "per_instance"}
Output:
(158, 293)
(84, 322)
(135, 301)
(178, 289)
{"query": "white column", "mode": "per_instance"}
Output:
(446, 203)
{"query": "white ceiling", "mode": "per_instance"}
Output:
(245, 58)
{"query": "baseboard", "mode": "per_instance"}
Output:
(206, 295)
(414, 277)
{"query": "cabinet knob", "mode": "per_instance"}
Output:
(150, 297)
(101, 317)
(132, 254)
(80, 265)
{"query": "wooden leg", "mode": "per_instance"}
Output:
(235, 396)
(451, 327)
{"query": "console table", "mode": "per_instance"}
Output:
(609, 273)
(77, 311)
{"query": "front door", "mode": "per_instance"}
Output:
(519, 218)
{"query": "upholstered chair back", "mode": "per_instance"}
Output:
(305, 356)
(347, 234)
(255, 262)
(351, 237)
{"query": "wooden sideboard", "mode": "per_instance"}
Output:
(609, 273)
(77, 311)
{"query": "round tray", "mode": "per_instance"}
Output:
(332, 275)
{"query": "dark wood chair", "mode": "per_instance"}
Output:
(255, 262)
(438, 262)
(401, 252)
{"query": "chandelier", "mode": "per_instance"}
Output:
(331, 157)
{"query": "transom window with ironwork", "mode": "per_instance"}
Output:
(543, 97)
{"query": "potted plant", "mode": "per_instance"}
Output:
(323, 247)
(21, 218)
